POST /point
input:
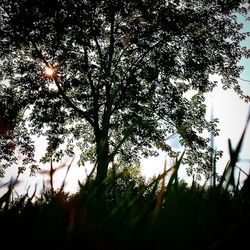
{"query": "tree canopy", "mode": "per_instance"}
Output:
(114, 78)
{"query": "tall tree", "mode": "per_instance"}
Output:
(115, 76)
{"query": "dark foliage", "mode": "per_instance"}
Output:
(189, 217)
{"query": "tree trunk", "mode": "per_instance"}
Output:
(102, 152)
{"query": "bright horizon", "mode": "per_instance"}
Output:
(227, 106)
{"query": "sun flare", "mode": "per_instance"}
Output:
(49, 71)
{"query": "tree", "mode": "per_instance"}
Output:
(114, 76)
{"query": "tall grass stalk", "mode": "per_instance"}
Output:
(228, 176)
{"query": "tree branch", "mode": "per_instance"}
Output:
(139, 60)
(82, 113)
(244, 80)
(39, 53)
(131, 69)
(111, 45)
(119, 58)
(94, 92)
(99, 50)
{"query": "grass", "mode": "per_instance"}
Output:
(126, 212)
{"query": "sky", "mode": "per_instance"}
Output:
(227, 107)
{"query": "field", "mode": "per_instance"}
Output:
(127, 212)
